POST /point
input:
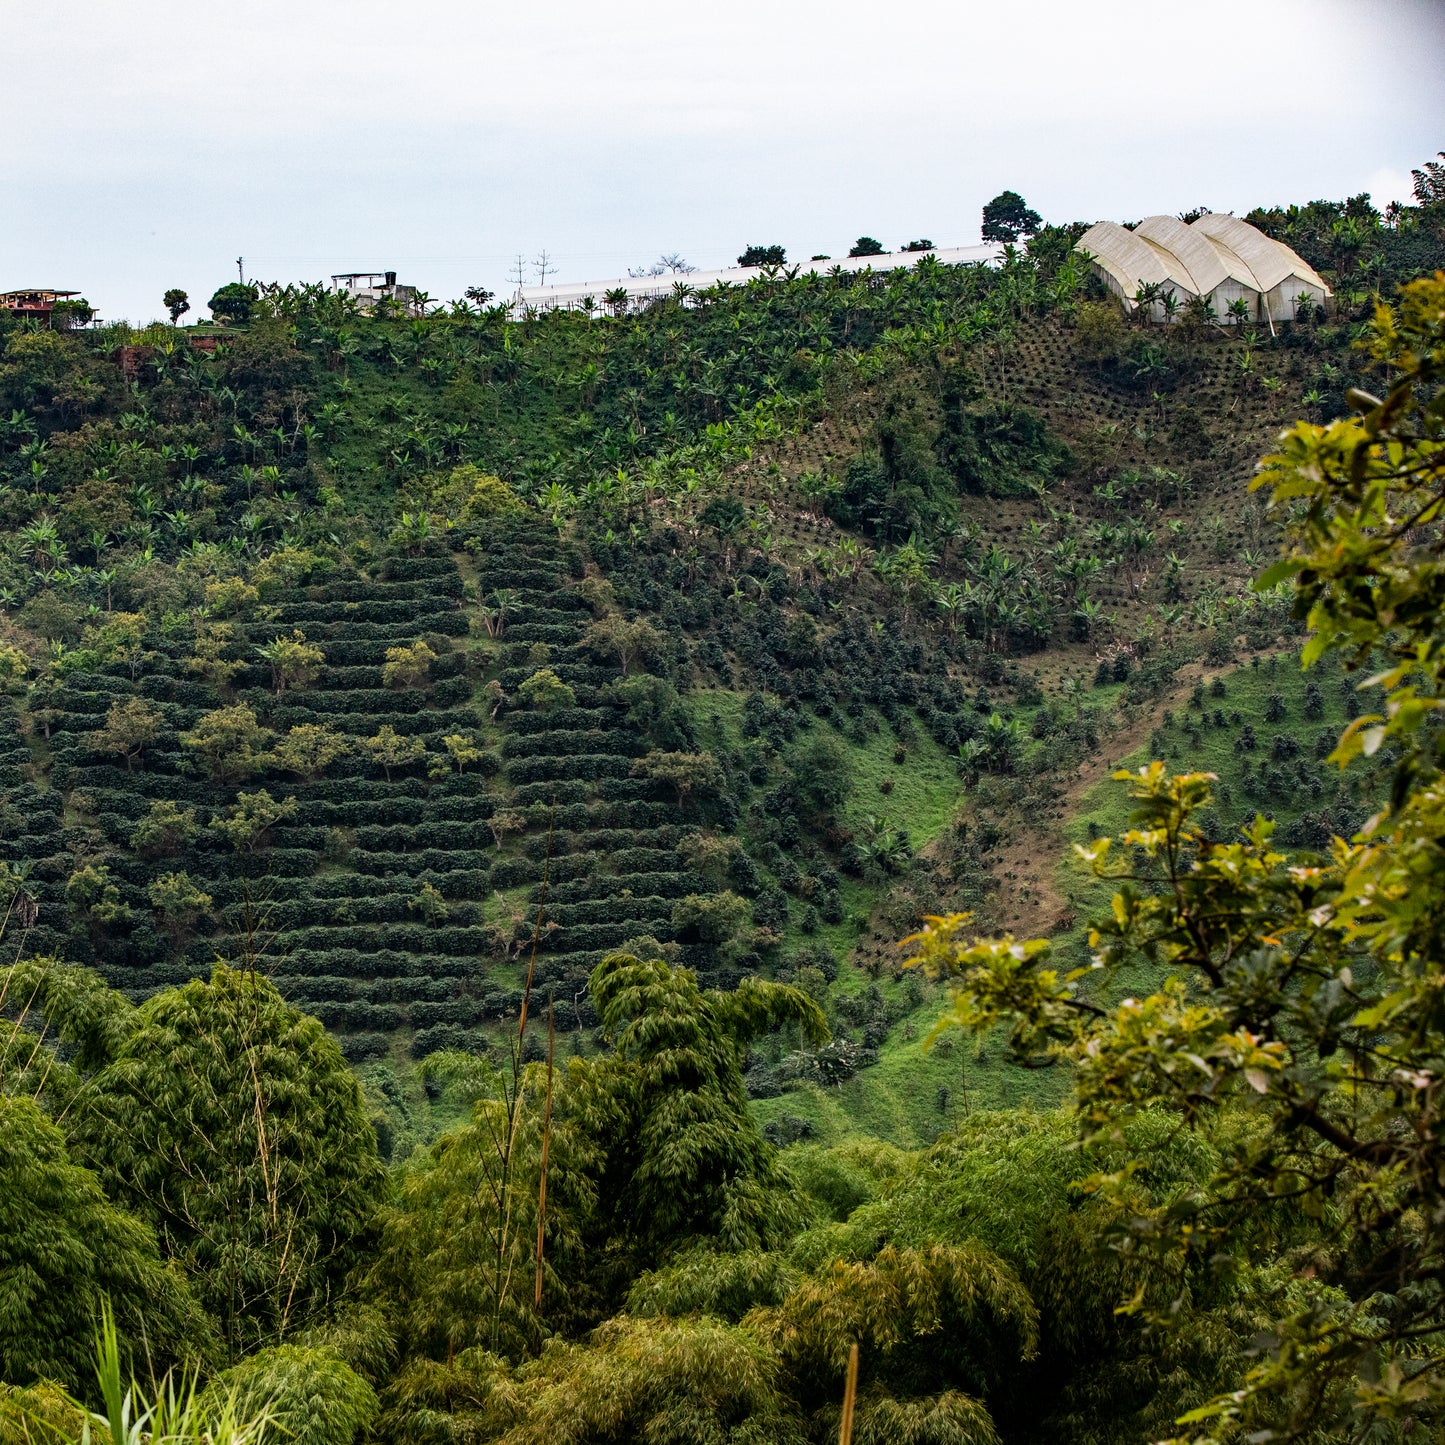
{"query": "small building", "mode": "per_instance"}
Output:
(36, 303)
(1217, 257)
(369, 288)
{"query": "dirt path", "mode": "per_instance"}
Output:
(1028, 902)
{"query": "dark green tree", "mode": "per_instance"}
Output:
(1008, 218)
(233, 302)
(64, 1249)
(824, 776)
(695, 1164)
(229, 1122)
(763, 256)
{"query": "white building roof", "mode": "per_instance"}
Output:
(570, 295)
(1193, 259)
(1207, 263)
(1133, 261)
(1270, 261)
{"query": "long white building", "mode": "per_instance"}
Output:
(641, 291)
(1216, 256)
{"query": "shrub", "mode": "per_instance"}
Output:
(487, 496)
(546, 692)
(179, 901)
(408, 666)
(94, 898)
(821, 771)
(209, 658)
(464, 750)
(631, 644)
(686, 773)
(391, 750)
(165, 828)
(129, 726)
(233, 302)
(294, 661)
(230, 740)
(247, 822)
(430, 904)
(14, 667)
(309, 750)
(716, 919)
(231, 597)
(285, 569)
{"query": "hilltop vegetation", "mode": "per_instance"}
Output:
(510, 749)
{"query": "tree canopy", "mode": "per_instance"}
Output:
(1008, 217)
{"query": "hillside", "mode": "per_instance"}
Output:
(791, 617)
(466, 779)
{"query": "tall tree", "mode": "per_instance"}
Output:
(64, 1249)
(230, 1123)
(1008, 218)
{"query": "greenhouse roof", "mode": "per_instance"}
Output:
(1193, 259)
(641, 289)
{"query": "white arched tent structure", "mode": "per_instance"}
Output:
(1221, 258)
(1283, 276)
(1128, 262)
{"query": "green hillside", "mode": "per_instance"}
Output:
(826, 531)
(504, 703)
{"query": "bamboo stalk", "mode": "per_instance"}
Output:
(850, 1395)
(537, 928)
(546, 1147)
(514, 1106)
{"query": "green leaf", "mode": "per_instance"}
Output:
(1279, 572)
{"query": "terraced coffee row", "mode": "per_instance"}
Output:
(613, 870)
(387, 896)
(326, 898)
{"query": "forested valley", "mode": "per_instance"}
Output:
(857, 853)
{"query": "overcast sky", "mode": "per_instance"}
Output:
(148, 144)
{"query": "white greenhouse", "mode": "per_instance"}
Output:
(1218, 257)
(632, 293)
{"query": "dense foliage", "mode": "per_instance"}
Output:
(1298, 1032)
(475, 767)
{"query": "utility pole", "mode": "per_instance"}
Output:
(241, 270)
(544, 266)
(518, 272)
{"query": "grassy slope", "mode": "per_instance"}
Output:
(898, 1098)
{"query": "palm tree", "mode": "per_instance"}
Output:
(40, 541)
(1138, 540)
(495, 618)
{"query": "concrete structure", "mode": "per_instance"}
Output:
(636, 292)
(35, 303)
(368, 288)
(1220, 258)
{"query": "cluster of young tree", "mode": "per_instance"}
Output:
(606, 1247)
